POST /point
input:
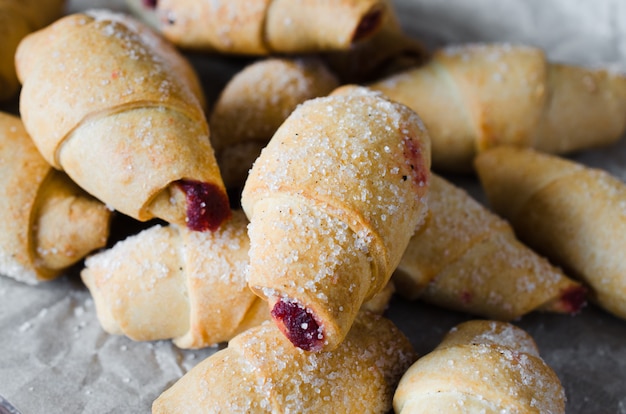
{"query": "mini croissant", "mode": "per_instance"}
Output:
(123, 117)
(262, 372)
(263, 27)
(466, 258)
(477, 96)
(481, 367)
(571, 213)
(333, 200)
(48, 223)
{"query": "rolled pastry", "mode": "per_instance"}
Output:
(483, 367)
(572, 214)
(17, 19)
(255, 102)
(168, 282)
(48, 222)
(263, 27)
(333, 200)
(477, 96)
(261, 372)
(123, 117)
(468, 259)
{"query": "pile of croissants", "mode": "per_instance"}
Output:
(282, 217)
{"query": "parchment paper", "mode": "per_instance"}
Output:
(55, 358)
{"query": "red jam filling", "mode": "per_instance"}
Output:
(298, 325)
(574, 299)
(207, 205)
(151, 4)
(368, 25)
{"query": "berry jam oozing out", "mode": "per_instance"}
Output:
(574, 299)
(298, 325)
(207, 205)
(368, 25)
(150, 4)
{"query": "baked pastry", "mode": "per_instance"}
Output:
(572, 214)
(388, 51)
(255, 102)
(333, 200)
(481, 367)
(263, 27)
(168, 282)
(477, 96)
(17, 19)
(261, 372)
(123, 118)
(468, 259)
(48, 222)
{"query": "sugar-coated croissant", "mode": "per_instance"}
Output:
(262, 27)
(255, 102)
(262, 372)
(474, 97)
(333, 200)
(481, 367)
(120, 111)
(571, 213)
(17, 19)
(168, 282)
(466, 258)
(48, 223)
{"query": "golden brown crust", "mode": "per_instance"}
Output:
(571, 213)
(481, 366)
(359, 376)
(333, 200)
(474, 97)
(263, 27)
(48, 222)
(102, 132)
(468, 259)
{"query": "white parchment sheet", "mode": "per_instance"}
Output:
(55, 358)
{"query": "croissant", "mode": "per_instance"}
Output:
(388, 51)
(123, 118)
(17, 19)
(332, 202)
(484, 367)
(572, 214)
(263, 27)
(478, 96)
(468, 259)
(168, 282)
(255, 102)
(48, 223)
(261, 372)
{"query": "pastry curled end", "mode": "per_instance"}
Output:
(571, 301)
(298, 324)
(207, 205)
(369, 24)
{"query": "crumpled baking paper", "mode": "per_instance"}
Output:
(55, 358)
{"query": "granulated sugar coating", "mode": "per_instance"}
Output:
(263, 372)
(481, 366)
(333, 200)
(125, 124)
(168, 282)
